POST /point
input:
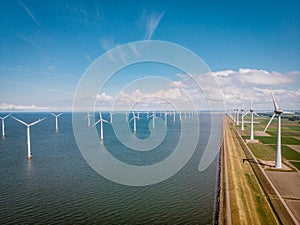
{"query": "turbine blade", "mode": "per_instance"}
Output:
(59, 114)
(53, 114)
(255, 114)
(274, 102)
(269, 122)
(96, 123)
(246, 114)
(251, 105)
(19, 120)
(36, 122)
(291, 113)
(6, 116)
(105, 121)
(131, 119)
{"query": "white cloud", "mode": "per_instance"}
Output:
(240, 86)
(6, 106)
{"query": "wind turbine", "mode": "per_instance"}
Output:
(166, 117)
(56, 120)
(110, 117)
(28, 133)
(3, 124)
(101, 125)
(134, 117)
(89, 119)
(243, 114)
(174, 116)
(237, 116)
(277, 112)
(252, 115)
(153, 118)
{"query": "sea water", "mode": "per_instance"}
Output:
(58, 186)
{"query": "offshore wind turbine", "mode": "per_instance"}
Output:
(28, 133)
(134, 117)
(153, 118)
(101, 125)
(277, 112)
(174, 116)
(3, 124)
(89, 119)
(166, 117)
(110, 117)
(56, 120)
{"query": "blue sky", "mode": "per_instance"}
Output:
(47, 45)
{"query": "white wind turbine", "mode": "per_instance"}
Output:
(28, 133)
(56, 120)
(174, 116)
(277, 112)
(134, 117)
(111, 117)
(237, 116)
(252, 115)
(101, 125)
(3, 124)
(89, 119)
(166, 117)
(153, 118)
(243, 115)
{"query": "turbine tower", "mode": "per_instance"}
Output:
(153, 118)
(111, 117)
(56, 120)
(252, 115)
(243, 114)
(277, 112)
(134, 117)
(28, 133)
(101, 125)
(3, 124)
(89, 119)
(237, 116)
(166, 117)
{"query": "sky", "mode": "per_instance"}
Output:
(251, 48)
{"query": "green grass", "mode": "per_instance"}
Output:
(296, 164)
(285, 133)
(260, 151)
(288, 153)
(273, 140)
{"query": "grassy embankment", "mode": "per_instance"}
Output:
(248, 203)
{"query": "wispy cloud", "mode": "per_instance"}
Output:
(16, 83)
(108, 44)
(29, 13)
(152, 23)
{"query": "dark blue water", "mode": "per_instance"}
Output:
(58, 186)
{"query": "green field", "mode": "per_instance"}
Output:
(266, 150)
(288, 153)
(296, 164)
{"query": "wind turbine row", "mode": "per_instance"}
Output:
(277, 112)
